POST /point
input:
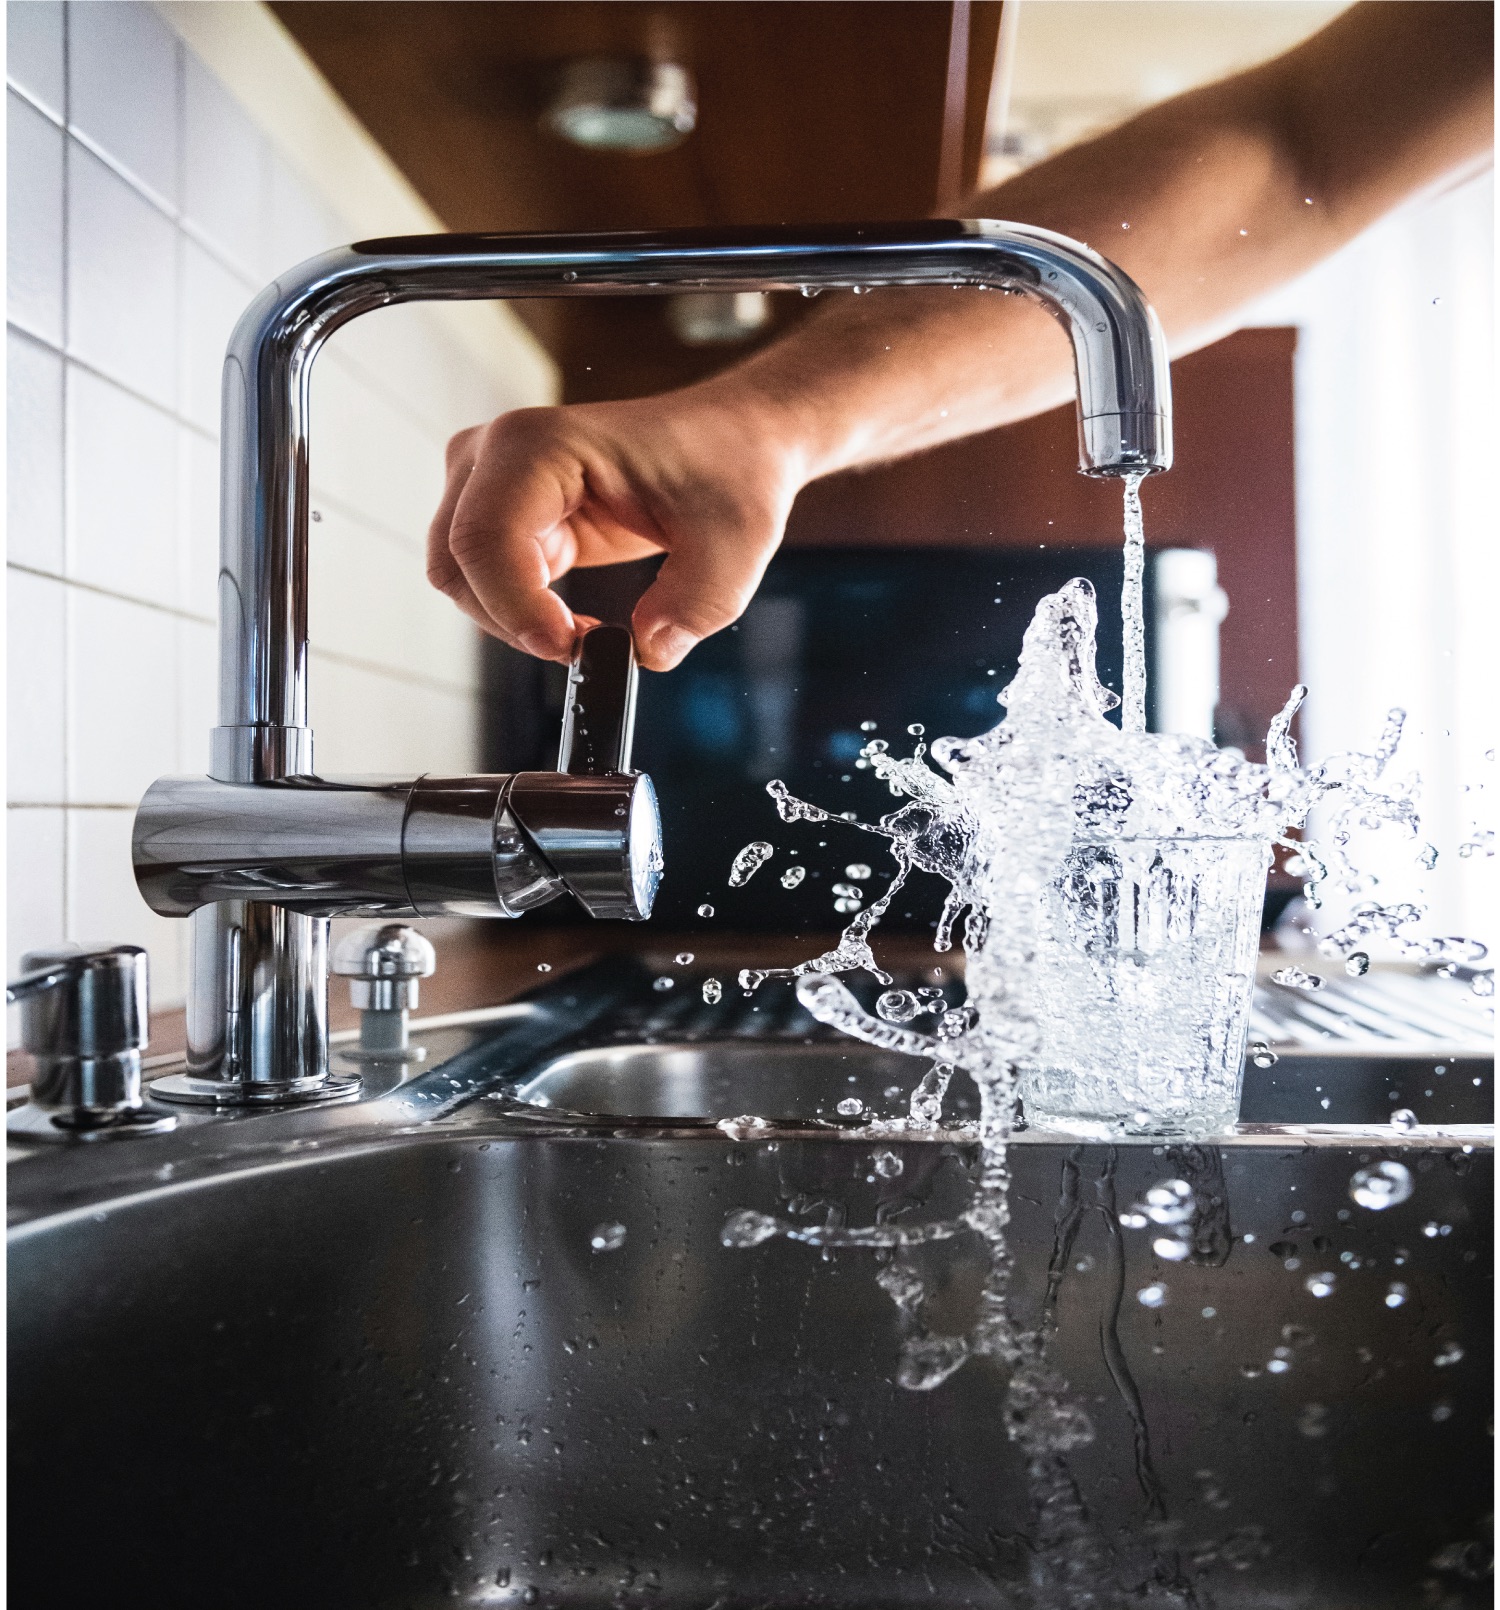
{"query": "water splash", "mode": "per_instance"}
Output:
(748, 862)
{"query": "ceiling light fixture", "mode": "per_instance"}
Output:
(606, 103)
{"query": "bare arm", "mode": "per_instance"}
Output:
(1208, 201)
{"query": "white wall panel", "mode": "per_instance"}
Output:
(34, 207)
(34, 454)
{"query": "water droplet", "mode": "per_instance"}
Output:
(1427, 856)
(1262, 1055)
(713, 991)
(793, 876)
(851, 1107)
(1396, 1294)
(747, 1127)
(607, 1237)
(1442, 1411)
(1134, 1220)
(1278, 1366)
(544, 967)
(857, 871)
(1383, 1185)
(1210, 1313)
(1084, 1264)
(1321, 1285)
(927, 1098)
(663, 983)
(747, 1228)
(1448, 1353)
(1152, 1296)
(846, 905)
(751, 978)
(705, 911)
(916, 729)
(898, 1006)
(1169, 1202)
(868, 726)
(1313, 1421)
(1483, 985)
(748, 862)
(887, 1165)
(1357, 965)
(1404, 1119)
(1295, 978)
(1170, 1248)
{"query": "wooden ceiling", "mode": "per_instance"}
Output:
(809, 112)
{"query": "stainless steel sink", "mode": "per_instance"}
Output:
(370, 1356)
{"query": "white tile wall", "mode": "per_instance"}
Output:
(35, 649)
(123, 71)
(34, 202)
(34, 453)
(34, 861)
(122, 280)
(121, 491)
(34, 43)
(226, 184)
(146, 208)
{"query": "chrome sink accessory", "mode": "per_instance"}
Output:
(262, 851)
(84, 1020)
(385, 967)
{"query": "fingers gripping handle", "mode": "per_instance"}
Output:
(598, 728)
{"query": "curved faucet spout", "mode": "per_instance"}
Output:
(1124, 395)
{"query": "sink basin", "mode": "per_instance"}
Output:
(502, 1356)
(477, 1338)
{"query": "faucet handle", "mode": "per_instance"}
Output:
(598, 728)
(595, 822)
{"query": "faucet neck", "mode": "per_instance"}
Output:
(1124, 406)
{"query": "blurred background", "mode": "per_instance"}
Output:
(166, 161)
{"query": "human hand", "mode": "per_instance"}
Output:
(706, 475)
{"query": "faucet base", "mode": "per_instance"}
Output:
(31, 1122)
(185, 1087)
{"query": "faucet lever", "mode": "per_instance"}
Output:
(598, 729)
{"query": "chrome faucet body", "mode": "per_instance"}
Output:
(257, 1015)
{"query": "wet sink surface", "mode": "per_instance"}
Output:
(403, 1375)
(390, 1369)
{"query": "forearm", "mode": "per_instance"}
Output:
(1207, 201)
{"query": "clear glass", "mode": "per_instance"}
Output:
(1145, 969)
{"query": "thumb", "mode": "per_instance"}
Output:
(703, 585)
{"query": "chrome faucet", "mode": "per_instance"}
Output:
(263, 852)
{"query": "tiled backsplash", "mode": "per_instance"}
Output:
(146, 208)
